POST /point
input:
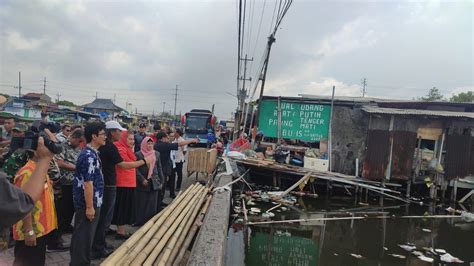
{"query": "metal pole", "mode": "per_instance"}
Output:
(271, 40)
(330, 131)
(389, 166)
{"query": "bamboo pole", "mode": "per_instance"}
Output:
(274, 207)
(181, 230)
(118, 254)
(163, 225)
(148, 236)
(197, 223)
(303, 179)
(356, 218)
(130, 243)
(171, 224)
(183, 236)
(244, 209)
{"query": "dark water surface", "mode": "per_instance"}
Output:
(370, 240)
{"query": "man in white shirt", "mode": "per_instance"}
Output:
(179, 159)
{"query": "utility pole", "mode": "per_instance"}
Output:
(364, 84)
(175, 101)
(263, 76)
(115, 96)
(44, 86)
(58, 95)
(213, 109)
(243, 92)
(19, 84)
(96, 95)
(163, 113)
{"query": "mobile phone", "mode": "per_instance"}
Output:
(24, 143)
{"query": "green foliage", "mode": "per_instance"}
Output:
(433, 95)
(463, 97)
(66, 103)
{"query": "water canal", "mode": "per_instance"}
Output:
(368, 241)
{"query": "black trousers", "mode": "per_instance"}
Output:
(82, 237)
(67, 206)
(64, 211)
(177, 172)
(26, 255)
(105, 219)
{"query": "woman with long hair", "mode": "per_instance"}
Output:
(150, 180)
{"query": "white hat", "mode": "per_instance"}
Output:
(114, 125)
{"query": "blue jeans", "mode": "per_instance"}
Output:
(105, 218)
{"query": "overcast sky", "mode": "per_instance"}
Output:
(139, 51)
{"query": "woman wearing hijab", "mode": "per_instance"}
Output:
(124, 211)
(150, 180)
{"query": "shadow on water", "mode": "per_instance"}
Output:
(370, 241)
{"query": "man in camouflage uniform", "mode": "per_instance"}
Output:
(66, 161)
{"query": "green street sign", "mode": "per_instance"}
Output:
(302, 121)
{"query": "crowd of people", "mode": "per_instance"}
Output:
(105, 174)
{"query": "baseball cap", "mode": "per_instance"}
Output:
(20, 127)
(114, 125)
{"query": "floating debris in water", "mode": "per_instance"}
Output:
(251, 203)
(398, 256)
(426, 230)
(268, 214)
(256, 210)
(335, 254)
(424, 258)
(450, 259)
(357, 256)
(284, 208)
(363, 204)
(408, 247)
(281, 233)
(417, 253)
(385, 248)
(440, 251)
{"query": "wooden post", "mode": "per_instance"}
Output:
(331, 163)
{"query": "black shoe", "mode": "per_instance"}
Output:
(121, 237)
(57, 247)
(164, 204)
(173, 196)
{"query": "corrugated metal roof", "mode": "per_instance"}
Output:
(415, 112)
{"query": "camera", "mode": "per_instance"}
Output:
(36, 130)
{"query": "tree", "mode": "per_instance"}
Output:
(66, 103)
(463, 97)
(433, 95)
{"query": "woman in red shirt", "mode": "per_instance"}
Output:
(124, 212)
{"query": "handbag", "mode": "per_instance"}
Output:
(154, 184)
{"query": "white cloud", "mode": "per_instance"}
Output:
(134, 24)
(116, 60)
(322, 86)
(353, 35)
(15, 41)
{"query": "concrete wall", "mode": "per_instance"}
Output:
(210, 245)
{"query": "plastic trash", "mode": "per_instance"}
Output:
(450, 259)
(467, 216)
(357, 256)
(426, 230)
(424, 258)
(407, 247)
(398, 256)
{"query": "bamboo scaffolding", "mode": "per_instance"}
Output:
(132, 242)
(197, 223)
(181, 230)
(164, 226)
(145, 241)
